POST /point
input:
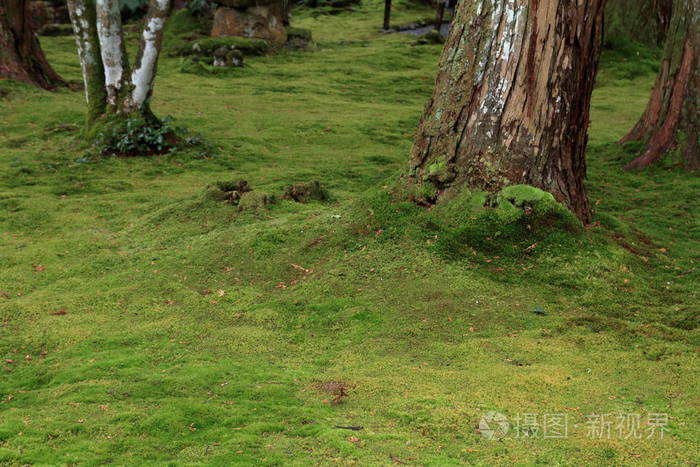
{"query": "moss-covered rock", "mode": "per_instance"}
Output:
(305, 192)
(298, 38)
(511, 222)
(207, 46)
(229, 192)
(298, 33)
(255, 201)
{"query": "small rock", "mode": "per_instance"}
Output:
(255, 201)
(305, 192)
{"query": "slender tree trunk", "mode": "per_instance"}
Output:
(112, 88)
(84, 19)
(113, 52)
(21, 57)
(439, 15)
(671, 117)
(387, 14)
(511, 101)
(147, 58)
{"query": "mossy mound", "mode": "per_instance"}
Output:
(298, 33)
(513, 222)
(188, 37)
(256, 201)
(206, 47)
(229, 192)
(305, 192)
(516, 222)
(298, 38)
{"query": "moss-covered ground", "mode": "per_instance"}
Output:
(142, 323)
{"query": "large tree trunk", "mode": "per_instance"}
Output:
(21, 57)
(112, 88)
(511, 101)
(671, 117)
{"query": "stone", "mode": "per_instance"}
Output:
(260, 22)
(305, 192)
(298, 38)
(228, 192)
(228, 57)
(255, 201)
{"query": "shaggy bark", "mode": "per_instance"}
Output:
(111, 86)
(21, 57)
(511, 101)
(671, 117)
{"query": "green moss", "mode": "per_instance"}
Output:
(207, 46)
(256, 201)
(227, 191)
(184, 22)
(305, 192)
(298, 33)
(197, 334)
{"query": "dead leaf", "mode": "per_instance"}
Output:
(59, 312)
(301, 268)
(353, 439)
(39, 267)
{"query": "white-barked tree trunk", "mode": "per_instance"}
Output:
(111, 87)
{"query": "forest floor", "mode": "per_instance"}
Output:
(141, 324)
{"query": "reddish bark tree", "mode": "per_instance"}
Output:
(21, 57)
(671, 117)
(511, 101)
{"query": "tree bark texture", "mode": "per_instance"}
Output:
(511, 101)
(112, 86)
(21, 57)
(671, 117)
